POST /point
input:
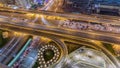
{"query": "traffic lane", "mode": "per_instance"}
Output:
(93, 15)
(11, 46)
(7, 45)
(3, 55)
(63, 32)
(16, 50)
(82, 17)
(10, 49)
(46, 33)
(83, 35)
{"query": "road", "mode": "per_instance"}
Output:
(54, 6)
(89, 18)
(7, 50)
(16, 50)
(12, 48)
(61, 33)
(64, 52)
(7, 45)
(27, 27)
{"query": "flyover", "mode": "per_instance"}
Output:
(61, 33)
(30, 14)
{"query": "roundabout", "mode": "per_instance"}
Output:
(48, 55)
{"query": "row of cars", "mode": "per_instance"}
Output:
(89, 26)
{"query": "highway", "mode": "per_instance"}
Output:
(62, 33)
(7, 45)
(53, 5)
(8, 48)
(12, 48)
(57, 32)
(16, 50)
(88, 18)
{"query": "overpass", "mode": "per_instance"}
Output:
(30, 14)
(62, 33)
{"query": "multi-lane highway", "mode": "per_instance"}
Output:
(89, 18)
(8, 48)
(28, 28)
(94, 34)
(12, 49)
(7, 45)
(16, 50)
(59, 33)
(53, 31)
(9, 51)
